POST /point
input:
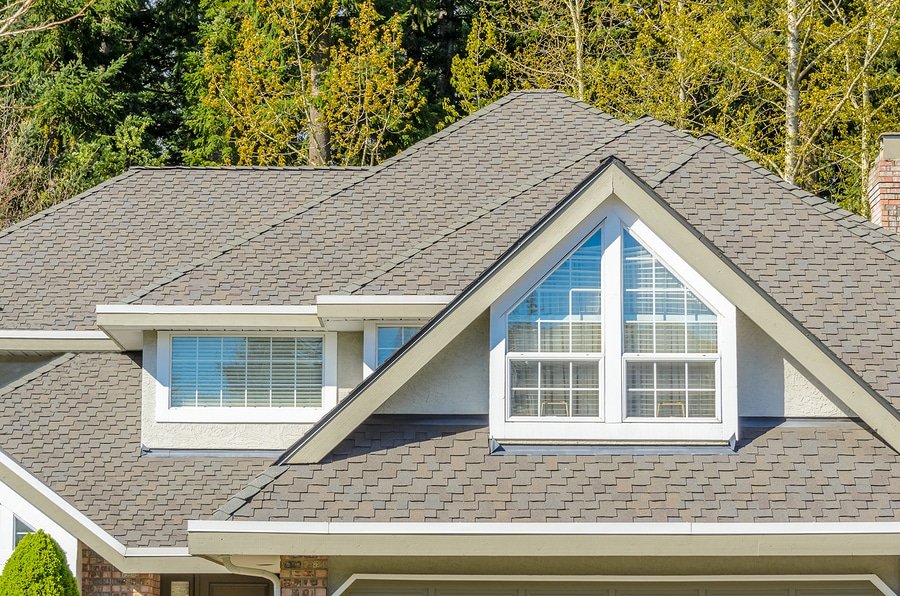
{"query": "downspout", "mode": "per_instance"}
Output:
(272, 577)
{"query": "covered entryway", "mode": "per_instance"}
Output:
(388, 587)
(214, 585)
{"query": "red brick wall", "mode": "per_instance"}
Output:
(884, 194)
(304, 576)
(100, 578)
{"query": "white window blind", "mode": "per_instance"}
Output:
(670, 341)
(234, 371)
(554, 341)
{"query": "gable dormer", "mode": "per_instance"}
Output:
(612, 337)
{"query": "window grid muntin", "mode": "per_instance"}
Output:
(686, 359)
(571, 389)
(582, 263)
(383, 352)
(303, 393)
(694, 313)
(675, 286)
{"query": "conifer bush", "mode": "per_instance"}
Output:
(37, 568)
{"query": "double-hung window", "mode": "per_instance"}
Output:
(617, 339)
(258, 377)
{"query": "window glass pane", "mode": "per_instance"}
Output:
(211, 371)
(554, 388)
(661, 315)
(20, 530)
(391, 339)
(670, 389)
(562, 314)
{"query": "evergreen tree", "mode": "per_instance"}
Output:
(37, 568)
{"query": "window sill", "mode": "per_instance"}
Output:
(662, 432)
(241, 415)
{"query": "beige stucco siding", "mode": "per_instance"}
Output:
(770, 383)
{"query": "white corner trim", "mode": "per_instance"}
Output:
(130, 560)
(41, 340)
(872, 578)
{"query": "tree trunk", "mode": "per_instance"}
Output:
(446, 32)
(319, 135)
(792, 94)
(576, 12)
(679, 61)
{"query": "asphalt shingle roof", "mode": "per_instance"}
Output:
(75, 425)
(139, 230)
(389, 470)
(430, 221)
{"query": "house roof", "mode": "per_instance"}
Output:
(429, 221)
(391, 470)
(139, 230)
(433, 218)
(75, 425)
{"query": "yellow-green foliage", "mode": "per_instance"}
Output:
(372, 90)
(37, 568)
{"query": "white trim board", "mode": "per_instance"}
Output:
(612, 180)
(124, 324)
(60, 511)
(676, 539)
(40, 340)
(876, 581)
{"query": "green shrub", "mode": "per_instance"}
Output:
(37, 568)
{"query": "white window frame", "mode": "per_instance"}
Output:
(370, 339)
(613, 426)
(165, 412)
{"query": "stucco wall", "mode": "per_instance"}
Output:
(455, 382)
(769, 383)
(179, 435)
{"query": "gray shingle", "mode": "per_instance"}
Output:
(428, 472)
(139, 230)
(76, 427)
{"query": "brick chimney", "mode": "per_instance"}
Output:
(884, 183)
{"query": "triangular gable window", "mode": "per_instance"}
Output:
(618, 340)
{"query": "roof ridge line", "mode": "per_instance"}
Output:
(36, 373)
(438, 236)
(63, 204)
(331, 168)
(848, 219)
(410, 151)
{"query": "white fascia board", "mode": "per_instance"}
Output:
(434, 577)
(544, 528)
(611, 181)
(543, 539)
(128, 560)
(380, 307)
(125, 323)
(40, 340)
